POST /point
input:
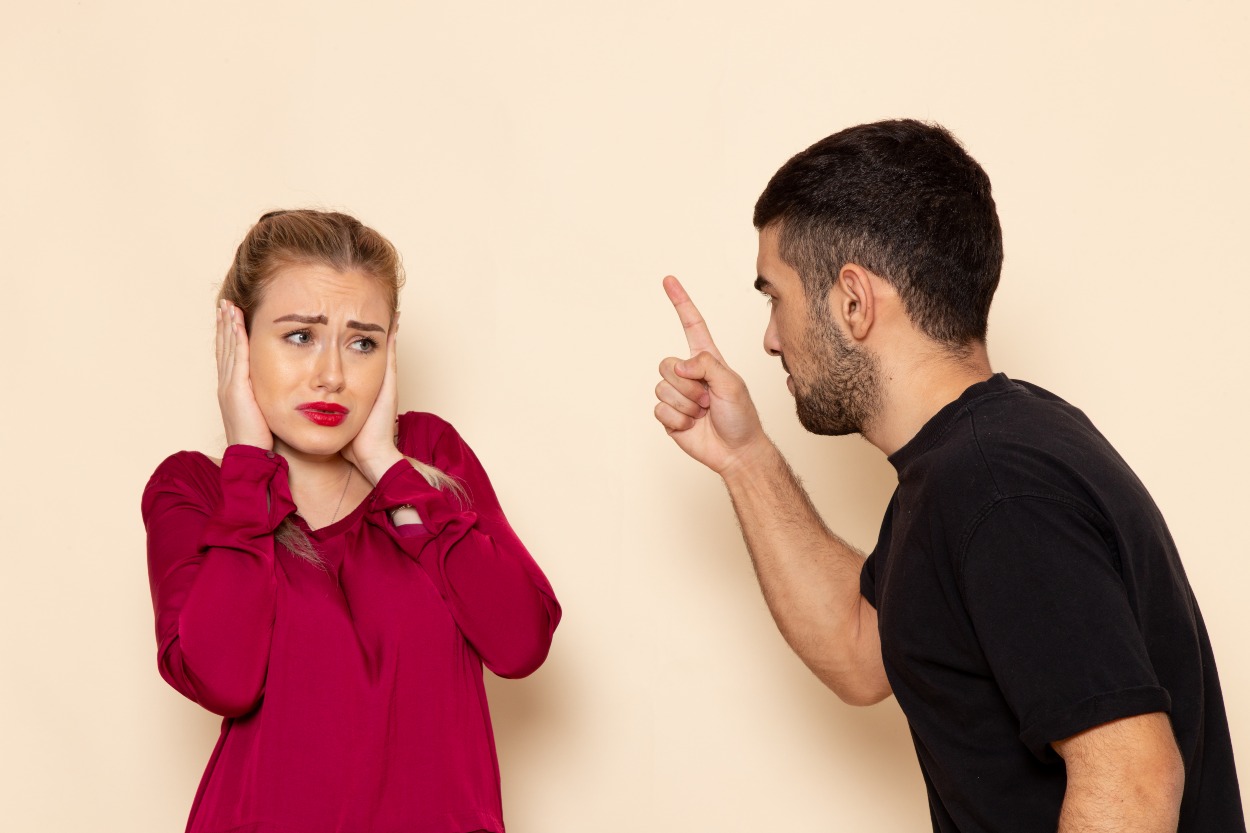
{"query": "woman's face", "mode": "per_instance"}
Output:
(318, 355)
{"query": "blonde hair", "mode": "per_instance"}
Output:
(285, 238)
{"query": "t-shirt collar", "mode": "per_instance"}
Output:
(940, 421)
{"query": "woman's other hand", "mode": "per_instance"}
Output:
(373, 450)
(241, 416)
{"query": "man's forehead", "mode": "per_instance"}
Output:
(772, 272)
(768, 239)
(764, 245)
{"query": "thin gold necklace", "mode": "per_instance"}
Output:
(346, 483)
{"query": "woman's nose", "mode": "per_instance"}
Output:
(329, 371)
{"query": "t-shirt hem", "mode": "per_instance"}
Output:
(1091, 712)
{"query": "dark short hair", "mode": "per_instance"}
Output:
(904, 200)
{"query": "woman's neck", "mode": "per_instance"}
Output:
(320, 485)
(312, 469)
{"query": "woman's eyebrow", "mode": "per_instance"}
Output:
(321, 319)
(303, 319)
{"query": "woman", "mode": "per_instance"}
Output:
(333, 585)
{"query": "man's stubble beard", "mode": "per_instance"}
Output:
(843, 395)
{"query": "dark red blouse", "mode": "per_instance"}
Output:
(352, 691)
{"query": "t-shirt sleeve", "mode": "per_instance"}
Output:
(868, 573)
(868, 580)
(1043, 588)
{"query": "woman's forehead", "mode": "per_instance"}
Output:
(314, 288)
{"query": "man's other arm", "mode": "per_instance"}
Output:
(1126, 775)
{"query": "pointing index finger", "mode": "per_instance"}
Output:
(698, 336)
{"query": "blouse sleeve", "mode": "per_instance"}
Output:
(211, 568)
(498, 596)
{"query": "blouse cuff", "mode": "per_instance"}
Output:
(255, 495)
(403, 485)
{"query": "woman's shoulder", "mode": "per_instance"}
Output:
(183, 462)
(190, 472)
(420, 432)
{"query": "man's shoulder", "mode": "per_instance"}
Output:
(1019, 440)
(1026, 406)
(1018, 418)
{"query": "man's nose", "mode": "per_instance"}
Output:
(772, 344)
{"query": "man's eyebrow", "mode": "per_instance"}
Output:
(303, 319)
(762, 284)
(368, 328)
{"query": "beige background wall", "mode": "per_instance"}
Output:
(541, 166)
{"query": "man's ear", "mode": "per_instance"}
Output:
(852, 298)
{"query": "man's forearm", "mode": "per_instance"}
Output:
(809, 577)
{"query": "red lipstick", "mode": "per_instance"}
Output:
(323, 413)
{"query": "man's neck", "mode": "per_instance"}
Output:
(916, 385)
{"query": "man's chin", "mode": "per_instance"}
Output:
(823, 423)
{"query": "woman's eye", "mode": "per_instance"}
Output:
(364, 345)
(299, 337)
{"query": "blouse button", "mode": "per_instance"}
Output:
(270, 455)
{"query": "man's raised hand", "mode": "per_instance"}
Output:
(705, 406)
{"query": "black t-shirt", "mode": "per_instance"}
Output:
(1028, 589)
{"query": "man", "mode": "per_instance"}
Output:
(1024, 602)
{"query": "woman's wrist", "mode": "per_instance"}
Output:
(249, 450)
(257, 441)
(405, 515)
(375, 467)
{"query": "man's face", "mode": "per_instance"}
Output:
(836, 384)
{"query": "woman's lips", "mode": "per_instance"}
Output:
(323, 413)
